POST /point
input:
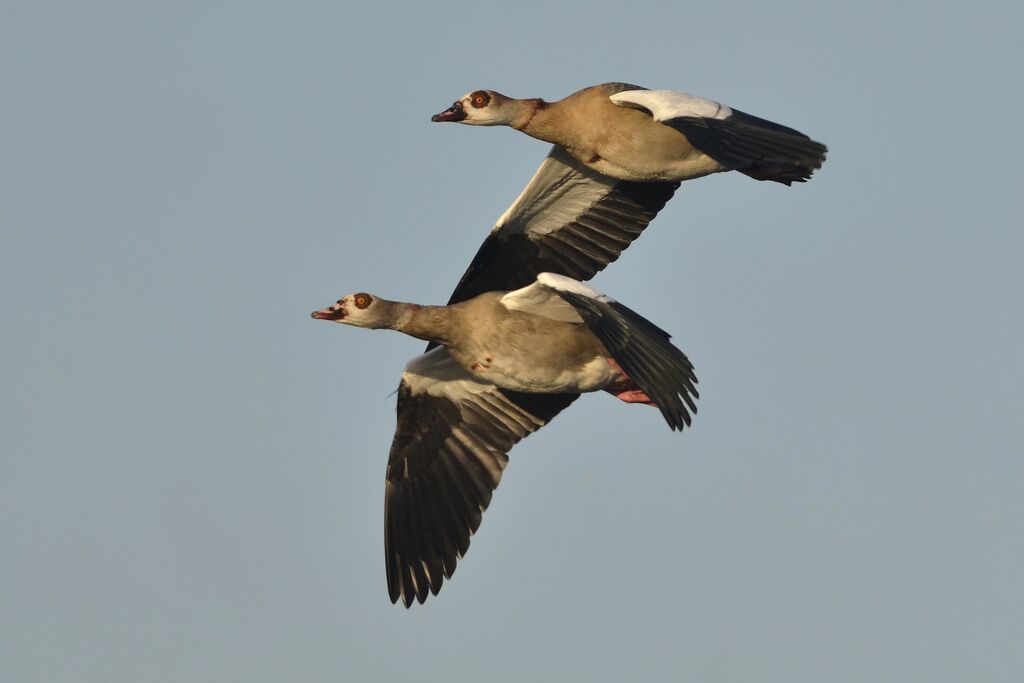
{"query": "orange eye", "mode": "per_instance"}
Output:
(480, 99)
(362, 300)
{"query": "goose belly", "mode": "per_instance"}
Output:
(638, 169)
(539, 378)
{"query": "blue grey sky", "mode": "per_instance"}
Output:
(191, 470)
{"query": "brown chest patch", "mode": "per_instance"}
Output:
(484, 364)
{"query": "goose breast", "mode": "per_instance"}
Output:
(524, 351)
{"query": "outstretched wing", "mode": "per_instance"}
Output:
(568, 220)
(447, 456)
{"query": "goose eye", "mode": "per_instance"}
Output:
(479, 99)
(362, 300)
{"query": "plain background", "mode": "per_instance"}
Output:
(191, 482)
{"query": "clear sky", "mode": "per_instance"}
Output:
(192, 470)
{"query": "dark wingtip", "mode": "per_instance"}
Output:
(756, 147)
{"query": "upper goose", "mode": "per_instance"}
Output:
(569, 220)
(510, 362)
(632, 133)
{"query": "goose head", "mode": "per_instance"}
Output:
(360, 309)
(480, 108)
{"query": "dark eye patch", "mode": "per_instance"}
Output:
(480, 99)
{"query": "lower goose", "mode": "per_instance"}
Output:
(509, 362)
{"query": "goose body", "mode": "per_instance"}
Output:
(528, 351)
(555, 336)
(631, 133)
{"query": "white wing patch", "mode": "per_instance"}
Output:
(670, 104)
(560, 191)
(567, 284)
(540, 299)
(436, 373)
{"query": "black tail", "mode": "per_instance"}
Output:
(754, 146)
(643, 351)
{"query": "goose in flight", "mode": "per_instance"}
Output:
(632, 133)
(508, 363)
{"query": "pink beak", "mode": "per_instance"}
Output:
(452, 113)
(332, 312)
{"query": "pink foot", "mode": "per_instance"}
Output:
(632, 394)
(635, 396)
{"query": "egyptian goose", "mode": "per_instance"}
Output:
(510, 361)
(632, 133)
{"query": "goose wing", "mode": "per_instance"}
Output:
(641, 348)
(449, 450)
(568, 220)
(760, 148)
